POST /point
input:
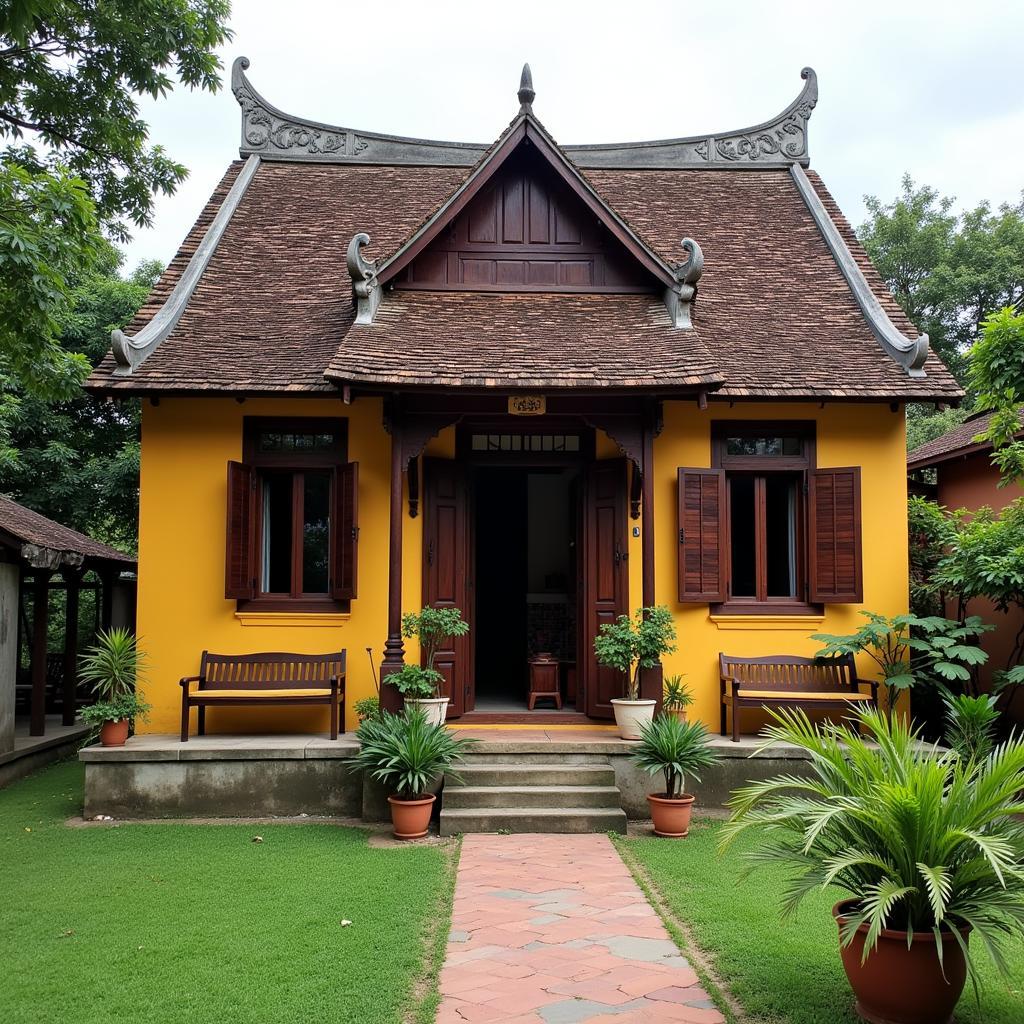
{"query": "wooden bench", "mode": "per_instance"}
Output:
(231, 680)
(786, 679)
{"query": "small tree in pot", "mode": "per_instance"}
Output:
(676, 697)
(675, 749)
(925, 843)
(408, 754)
(114, 667)
(630, 646)
(420, 685)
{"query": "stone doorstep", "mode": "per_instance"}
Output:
(225, 748)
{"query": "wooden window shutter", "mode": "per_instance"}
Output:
(702, 535)
(240, 571)
(345, 532)
(834, 535)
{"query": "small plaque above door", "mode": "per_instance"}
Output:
(527, 405)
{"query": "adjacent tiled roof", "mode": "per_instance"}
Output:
(774, 316)
(30, 527)
(955, 442)
(505, 339)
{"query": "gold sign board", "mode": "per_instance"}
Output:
(527, 405)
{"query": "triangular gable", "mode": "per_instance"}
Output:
(679, 283)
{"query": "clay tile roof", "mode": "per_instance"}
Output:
(773, 316)
(523, 340)
(27, 527)
(955, 442)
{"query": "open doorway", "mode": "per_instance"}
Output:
(525, 525)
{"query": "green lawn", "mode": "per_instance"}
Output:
(168, 923)
(783, 972)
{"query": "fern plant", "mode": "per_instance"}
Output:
(922, 839)
(406, 752)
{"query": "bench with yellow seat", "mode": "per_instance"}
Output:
(789, 680)
(270, 678)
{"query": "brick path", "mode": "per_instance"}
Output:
(552, 929)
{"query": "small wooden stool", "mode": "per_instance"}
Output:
(544, 681)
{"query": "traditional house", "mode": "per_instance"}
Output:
(544, 384)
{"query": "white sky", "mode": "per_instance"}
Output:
(925, 86)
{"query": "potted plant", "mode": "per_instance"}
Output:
(367, 707)
(923, 841)
(676, 697)
(420, 685)
(676, 749)
(407, 753)
(630, 646)
(114, 666)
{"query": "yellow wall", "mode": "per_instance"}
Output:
(186, 444)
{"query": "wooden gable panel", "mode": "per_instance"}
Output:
(524, 231)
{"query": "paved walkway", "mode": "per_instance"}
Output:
(552, 929)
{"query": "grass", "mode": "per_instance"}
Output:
(173, 922)
(785, 972)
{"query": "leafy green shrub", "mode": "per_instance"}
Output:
(406, 752)
(432, 626)
(676, 694)
(676, 749)
(128, 706)
(912, 649)
(931, 532)
(923, 841)
(971, 725)
(367, 707)
(640, 642)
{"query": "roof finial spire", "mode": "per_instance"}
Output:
(526, 93)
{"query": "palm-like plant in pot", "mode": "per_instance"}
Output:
(675, 749)
(676, 697)
(631, 645)
(925, 843)
(420, 685)
(408, 754)
(114, 666)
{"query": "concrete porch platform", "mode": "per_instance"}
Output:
(31, 753)
(158, 776)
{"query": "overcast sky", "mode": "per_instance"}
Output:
(926, 87)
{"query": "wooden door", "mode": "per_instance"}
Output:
(605, 577)
(446, 570)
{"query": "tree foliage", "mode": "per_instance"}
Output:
(997, 376)
(75, 159)
(947, 270)
(76, 459)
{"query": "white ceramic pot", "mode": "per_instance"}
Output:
(435, 708)
(631, 715)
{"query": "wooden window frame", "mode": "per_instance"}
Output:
(759, 467)
(296, 463)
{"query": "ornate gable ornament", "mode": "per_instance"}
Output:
(274, 135)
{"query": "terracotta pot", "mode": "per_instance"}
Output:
(411, 818)
(897, 985)
(678, 713)
(671, 817)
(114, 734)
(631, 715)
(435, 708)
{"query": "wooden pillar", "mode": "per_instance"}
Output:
(107, 599)
(394, 652)
(40, 615)
(10, 590)
(650, 679)
(72, 580)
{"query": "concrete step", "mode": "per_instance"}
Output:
(480, 773)
(532, 819)
(531, 796)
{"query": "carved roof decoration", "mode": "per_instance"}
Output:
(679, 282)
(272, 134)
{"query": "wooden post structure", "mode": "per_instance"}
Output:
(72, 580)
(40, 614)
(107, 598)
(394, 652)
(650, 679)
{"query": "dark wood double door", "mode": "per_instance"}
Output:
(602, 584)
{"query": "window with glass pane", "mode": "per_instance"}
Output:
(549, 443)
(764, 527)
(296, 532)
